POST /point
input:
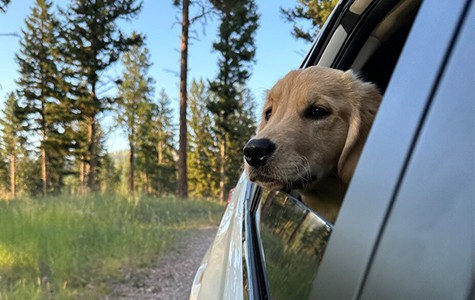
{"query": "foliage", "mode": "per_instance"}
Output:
(65, 89)
(3, 5)
(243, 128)
(239, 22)
(94, 42)
(315, 11)
(134, 103)
(14, 141)
(148, 125)
(4, 175)
(203, 151)
(72, 247)
(40, 87)
(160, 141)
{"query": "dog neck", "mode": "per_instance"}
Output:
(325, 197)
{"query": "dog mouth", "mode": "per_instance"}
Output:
(270, 182)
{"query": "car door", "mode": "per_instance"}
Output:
(406, 229)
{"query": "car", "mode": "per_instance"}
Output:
(406, 226)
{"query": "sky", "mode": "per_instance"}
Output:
(277, 51)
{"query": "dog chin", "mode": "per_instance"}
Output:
(270, 185)
(275, 184)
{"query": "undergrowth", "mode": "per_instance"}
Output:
(74, 247)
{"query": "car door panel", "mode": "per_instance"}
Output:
(376, 178)
(428, 240)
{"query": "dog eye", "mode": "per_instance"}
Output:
(268, 113)
(316, 112)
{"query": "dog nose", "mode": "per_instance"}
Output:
(257, 151)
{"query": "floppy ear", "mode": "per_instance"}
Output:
(365, 99)
(352, 148)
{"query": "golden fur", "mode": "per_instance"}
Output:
(316, 156)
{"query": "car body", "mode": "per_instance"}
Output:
(406, 227)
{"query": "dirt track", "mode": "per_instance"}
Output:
(172, 275)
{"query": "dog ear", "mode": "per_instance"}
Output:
(366, 99)
(352, 149)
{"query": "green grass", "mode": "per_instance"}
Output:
(74, 247)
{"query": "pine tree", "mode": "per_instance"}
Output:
(106, 176)
(182, 149)
(109, 176)
(243, 127)
(94, 43)
(159, 143)
(316, 11)
(40, 84)
(203, 147)
(13, 125)
(134, 102)
(3, 5)
(239, 22)
(4, 178)
(185, 6)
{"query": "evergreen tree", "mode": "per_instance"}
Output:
(3, 5)
(185, 6)
(94, 43)
(239, 21)
(40, 84)
(4, 178)
(146, 161)
(109, 175)
(315, 11)
(242, 128)
(158, 145)
(106, 176)
(182, 150)
(13, 125)
(134, 102)
(203, 148)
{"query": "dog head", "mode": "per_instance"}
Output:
(314, 123)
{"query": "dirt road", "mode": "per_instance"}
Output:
(172, 275)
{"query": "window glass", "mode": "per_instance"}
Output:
(293, 241)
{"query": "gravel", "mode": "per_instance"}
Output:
(171, 276)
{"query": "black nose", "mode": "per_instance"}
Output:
(257, 151)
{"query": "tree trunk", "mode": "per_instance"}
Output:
(131, 170)
(148, 188)
(160, 161)
(12, 176)
(182, 151)
(91, 154)
(82, 176)
(160, 148)
(44, 174)
(222, 168)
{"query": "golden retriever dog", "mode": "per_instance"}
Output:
(314, 125)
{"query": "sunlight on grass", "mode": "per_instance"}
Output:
(69, 247)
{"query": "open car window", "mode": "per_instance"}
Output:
(368, 37)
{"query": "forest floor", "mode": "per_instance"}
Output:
(171, 276)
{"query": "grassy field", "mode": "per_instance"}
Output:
(74, 247)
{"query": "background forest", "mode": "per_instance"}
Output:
(51, 137)
(78, 216)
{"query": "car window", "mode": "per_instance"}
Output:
(293, 237)
(369, 41)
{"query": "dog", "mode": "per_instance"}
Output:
(313, 127)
